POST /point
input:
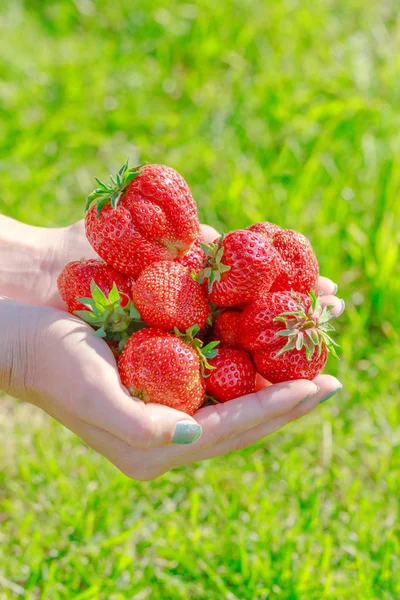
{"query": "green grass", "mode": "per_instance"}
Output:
(288, 111)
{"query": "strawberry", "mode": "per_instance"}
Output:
(258, 327)
(233, 376)
(111, 316)
(167, 296)
(276, 368)
(194, 259)
(76, 277)
(300, 268)
(266, 229)
(288, 335)
(239, 264)
(160, 367)
(144, 215)
(226, 329)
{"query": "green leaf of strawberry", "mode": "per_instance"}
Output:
(112, 192)
(204, 352)
(112, 321)
(307, 328)
(215, 267)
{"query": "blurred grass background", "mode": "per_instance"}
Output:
(287, 111)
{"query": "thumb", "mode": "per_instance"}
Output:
(140, 425)
(208, 233)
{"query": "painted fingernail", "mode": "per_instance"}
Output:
(330, 394)
(335, 288)
(311, 395)
(342, 309)
(186, 432)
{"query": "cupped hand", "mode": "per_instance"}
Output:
(55, 362)
(225, 427)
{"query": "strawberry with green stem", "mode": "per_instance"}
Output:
(164, 368)
(165, 296)
(143, 215)
(239, 265)
(75, 280)
(288, 334)
(112, 318)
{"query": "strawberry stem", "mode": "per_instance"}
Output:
(113, 192)
(215, 267)
(204, 352)
(307, 328)
(110, 320)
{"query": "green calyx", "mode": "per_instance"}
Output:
(215, 267)
(308, 328)
(110, 320)
(113, 191)
(204, 352)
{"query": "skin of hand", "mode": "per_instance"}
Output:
(54, 361)
(31, 258)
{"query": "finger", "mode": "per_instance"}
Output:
(261, 382)
(133, 463)
(337, 304)
(326, 286)
(109, 406)
(327, 385)
(222, 422)
(208, 233)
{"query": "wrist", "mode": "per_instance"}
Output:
(31, 258)
(25, 260)
(18, 348)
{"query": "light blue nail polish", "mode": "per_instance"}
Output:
(343, 307)
(310, 395)
(186, 432)
(330, 394)
(335, 289)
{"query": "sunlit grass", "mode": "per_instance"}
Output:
(287, 111)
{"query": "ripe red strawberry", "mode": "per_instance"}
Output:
(167, 296)
(160, 367)
(300, 268)
(145, 215)
(266, 229)
(258, 327)
(226, 329)
(194, 259)
(239, 265)
(276, 368)
(288, 334)
(233, 376)
(76, 277)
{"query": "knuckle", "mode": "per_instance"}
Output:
(140, 434)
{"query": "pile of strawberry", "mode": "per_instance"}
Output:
(191, 323)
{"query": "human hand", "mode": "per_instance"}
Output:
(31, 258)
(55, 362)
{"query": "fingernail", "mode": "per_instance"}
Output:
(335, 288)
(311, 395)
(330, 394)
(342, 309)
(186, 432)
